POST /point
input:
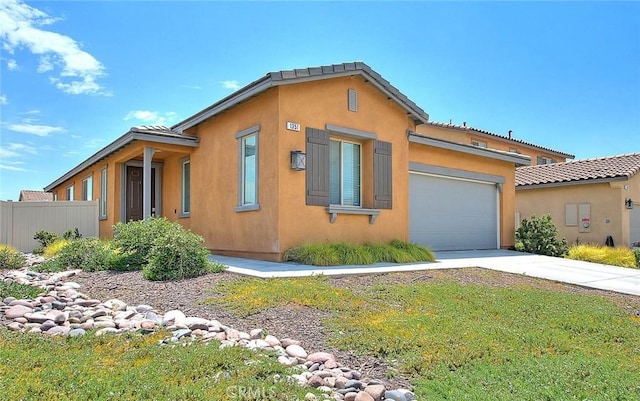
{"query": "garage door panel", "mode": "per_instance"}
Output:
(450, 214)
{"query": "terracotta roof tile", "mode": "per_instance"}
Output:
(603, 168)
(27, 195)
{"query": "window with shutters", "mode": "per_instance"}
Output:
(334, 171)
(344, 173)
(87, 188)
(69, 193)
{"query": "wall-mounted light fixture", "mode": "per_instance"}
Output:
(298, 160)
(628, 203)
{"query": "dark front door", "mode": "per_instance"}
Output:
(134, 193)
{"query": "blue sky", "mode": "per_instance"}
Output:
(76, 75)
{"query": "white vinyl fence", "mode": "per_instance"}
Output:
(20, 221)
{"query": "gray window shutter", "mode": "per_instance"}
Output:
(353, 100)
(317, 170)
(382, 182)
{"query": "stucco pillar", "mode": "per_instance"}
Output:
(146, 181)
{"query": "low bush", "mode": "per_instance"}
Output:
(18, 290)
(45, 238)
(175, 254)
(337, 254)
(539, 235)
(89, 254)
(49, 266)
(11, 258)
(636, 253)
(135, 240)
(618, 256)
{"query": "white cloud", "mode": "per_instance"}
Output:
(35, 129)
(21, 27)
(233, 85)
(3, 100)
(12, 65)
(11, 167)
(151, 117)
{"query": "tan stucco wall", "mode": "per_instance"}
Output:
(608, 214)
(314, 105)
(471, 163)
(462, 136)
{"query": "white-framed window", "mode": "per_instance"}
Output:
(514, 150)
(185, 187)
(103, 192)
(545, 160)
(69, 192)
(87, 188)
(248, 169)
(480, 144)
(345, 173)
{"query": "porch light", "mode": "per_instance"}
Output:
(628, 203)
(298, 160)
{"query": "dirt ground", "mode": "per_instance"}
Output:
(298, 322)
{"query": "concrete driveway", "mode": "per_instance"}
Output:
(594, 275)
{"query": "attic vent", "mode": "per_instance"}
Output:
(353, 100)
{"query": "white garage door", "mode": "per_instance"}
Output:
(452, 214)
(635, 223)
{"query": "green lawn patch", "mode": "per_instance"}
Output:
(135, 367)
(457, 341)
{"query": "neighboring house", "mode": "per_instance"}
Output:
(587, 199)
(485, 139)
(236, 172)
(35, 196)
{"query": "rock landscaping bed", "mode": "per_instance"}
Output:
(63, 310)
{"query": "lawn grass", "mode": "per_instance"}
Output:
(135, 367)
(457, 341)
(615, 256)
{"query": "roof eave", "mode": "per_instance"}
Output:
(273, 79)
(129, 137)
(517, 159)
(520, 187)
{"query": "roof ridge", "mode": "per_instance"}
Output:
(590, 159)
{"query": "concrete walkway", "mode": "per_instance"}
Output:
(586, 274)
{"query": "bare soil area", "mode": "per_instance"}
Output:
(298, 322)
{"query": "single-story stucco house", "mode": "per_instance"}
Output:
(588, 200)
(333, 153)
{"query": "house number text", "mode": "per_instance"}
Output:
(293, 126)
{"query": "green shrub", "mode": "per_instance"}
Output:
(540, 236)
(176, 254)
(347, 254)
(45, 238)
(618, 256)
(636, 253)
(48, 266)
(18, 290)
(135, 240)
(11, 258)
(72, 234)
(89, 254)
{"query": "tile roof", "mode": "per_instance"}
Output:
(609, 168)
(481, 131)
(27, 195)
(284, 77)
